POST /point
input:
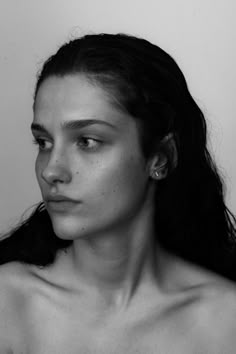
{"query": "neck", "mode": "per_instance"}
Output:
(113, 266)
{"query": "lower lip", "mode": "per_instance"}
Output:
(61, 206)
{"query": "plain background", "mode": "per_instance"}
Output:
(199, 34)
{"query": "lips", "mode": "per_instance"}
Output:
(60, 203)
(59, 198)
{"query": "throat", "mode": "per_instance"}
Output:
(113, 273)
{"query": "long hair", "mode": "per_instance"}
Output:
(191, 218)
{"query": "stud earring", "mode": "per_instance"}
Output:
(155, 174)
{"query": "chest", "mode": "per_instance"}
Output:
(86, 342)
(54, 331)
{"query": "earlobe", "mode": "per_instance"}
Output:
(159, 172)
(165, 160)
(155, 174)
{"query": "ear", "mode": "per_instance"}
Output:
(165, 159)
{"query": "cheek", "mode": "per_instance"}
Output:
(120, 181)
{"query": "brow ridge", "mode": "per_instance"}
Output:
(73, 124)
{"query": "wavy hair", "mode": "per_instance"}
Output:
(191, 218)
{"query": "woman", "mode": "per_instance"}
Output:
(131, 200)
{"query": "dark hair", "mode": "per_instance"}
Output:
(191, 219)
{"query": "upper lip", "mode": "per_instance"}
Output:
(59, 198)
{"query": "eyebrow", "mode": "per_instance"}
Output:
(72, 125)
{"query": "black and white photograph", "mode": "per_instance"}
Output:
(118, 177)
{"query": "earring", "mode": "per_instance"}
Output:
(155, 174)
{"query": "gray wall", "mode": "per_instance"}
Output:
(199, 34)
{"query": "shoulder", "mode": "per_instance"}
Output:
(210, 311)
(14, 287)
(20, 282)
(13, 277)
(214, 313)
(215, 317)
(215, 291)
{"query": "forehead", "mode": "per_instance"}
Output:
(76, 97)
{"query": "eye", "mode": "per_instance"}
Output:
(87, 143)
(42, 144)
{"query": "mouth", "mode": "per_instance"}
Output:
(61, 204)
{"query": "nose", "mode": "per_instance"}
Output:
(56, 171)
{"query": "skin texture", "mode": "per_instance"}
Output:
(103, 169)
(114, 290)
(98, 172)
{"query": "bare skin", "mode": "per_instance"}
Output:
(114, 290)
(188, 311)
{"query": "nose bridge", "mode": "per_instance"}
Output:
(57, 168)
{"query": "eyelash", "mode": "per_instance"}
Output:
(96, 141)
(40, 141)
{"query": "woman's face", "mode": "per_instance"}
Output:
(89, 152)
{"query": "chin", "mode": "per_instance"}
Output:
(69, 228)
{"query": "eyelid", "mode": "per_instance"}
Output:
(98, 142)
(36, 141)
(39, 137)
(40, 133)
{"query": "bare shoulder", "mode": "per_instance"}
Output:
(14, 279)
(12, 283)
(213, 315)
(219, 311)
